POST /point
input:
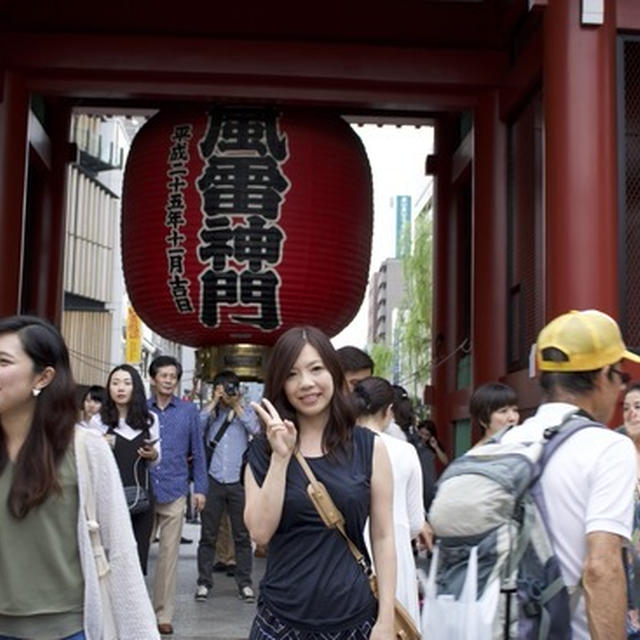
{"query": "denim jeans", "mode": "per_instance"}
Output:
(76, 636)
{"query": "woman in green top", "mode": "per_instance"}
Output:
(49, 588)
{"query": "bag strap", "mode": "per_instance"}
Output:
(213, 443)
(335, 519)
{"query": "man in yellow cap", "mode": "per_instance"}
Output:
(588, 484)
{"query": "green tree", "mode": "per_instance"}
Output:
(415, 322)
(382, 357)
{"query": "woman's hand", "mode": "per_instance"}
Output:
(148, 453)
(281, 434)
(382, 631)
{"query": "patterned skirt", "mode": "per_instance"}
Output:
(267, 626)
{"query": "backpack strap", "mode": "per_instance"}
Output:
(556, 435)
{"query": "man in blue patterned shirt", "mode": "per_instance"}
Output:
(181, 437)
(227, 424)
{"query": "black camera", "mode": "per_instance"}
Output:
(231, 388)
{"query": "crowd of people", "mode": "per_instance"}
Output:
(103, 480)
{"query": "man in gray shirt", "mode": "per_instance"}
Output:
(227, 425)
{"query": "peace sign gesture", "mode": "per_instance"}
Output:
(281, 434)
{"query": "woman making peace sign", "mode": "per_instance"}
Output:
(312, 585)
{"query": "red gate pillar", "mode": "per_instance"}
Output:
(489, 243)
(581, 162)
(42, 290)
(14, 112)
(443, 337)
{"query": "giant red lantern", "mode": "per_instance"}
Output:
(239, 223)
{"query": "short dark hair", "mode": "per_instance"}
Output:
(225, 376)
(96, 392)
(164, 361)
(371, 395)
(488, 398)
(578, 382)
(354, 359)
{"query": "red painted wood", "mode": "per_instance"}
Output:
(13, 147)
(489, 328)
(581, 161)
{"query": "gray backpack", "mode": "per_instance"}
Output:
(489, 508)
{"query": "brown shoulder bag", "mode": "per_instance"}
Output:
(403, 625)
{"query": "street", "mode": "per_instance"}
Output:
(223, 616)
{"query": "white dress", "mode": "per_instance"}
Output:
(408, 518)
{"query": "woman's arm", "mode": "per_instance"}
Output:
(415, 502)
(263, 504)
(382, 542)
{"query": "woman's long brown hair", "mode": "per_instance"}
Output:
(36, 469)
(337, 434)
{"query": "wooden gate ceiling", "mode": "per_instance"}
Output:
(408, 56)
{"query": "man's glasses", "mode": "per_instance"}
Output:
(625, 378)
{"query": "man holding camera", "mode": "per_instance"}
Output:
(227, 425)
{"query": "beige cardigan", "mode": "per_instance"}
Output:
(133, 613)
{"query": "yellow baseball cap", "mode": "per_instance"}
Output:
(590, 339)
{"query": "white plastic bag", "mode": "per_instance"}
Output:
(445, 618)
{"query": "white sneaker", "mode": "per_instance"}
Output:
(247, 594)
(202, 592)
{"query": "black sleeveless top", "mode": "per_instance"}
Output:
(312, 581)
(126, 454)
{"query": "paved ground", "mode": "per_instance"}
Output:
(222, 616)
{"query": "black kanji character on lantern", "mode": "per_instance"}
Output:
(249, 130)
(242, 186)
(216, 243)
(176, 260)
(175, 238)
(217, 289)
(177, 184)
(254, 244)
(257, 243)
(181, 132)
(179, 153)
(179, 287)
(260, 289)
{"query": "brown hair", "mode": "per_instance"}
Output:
(36, 475)
(337, 433)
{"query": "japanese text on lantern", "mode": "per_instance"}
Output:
(242, 190)
(177, 172)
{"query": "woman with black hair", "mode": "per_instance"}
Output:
(134, 434)
(493, 406)
(50, 472)
(313, 588)
(373, 399)
(91, 403)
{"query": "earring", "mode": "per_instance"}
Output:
(35, 392)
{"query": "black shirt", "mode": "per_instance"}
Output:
(312, 581)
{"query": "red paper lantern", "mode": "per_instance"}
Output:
(239, 223)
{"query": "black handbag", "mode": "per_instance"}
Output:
(137, 496)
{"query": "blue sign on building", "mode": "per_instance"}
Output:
(403, 226)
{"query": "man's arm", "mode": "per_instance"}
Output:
(199, 461)
(605, 587)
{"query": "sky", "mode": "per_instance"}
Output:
(397, 156)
